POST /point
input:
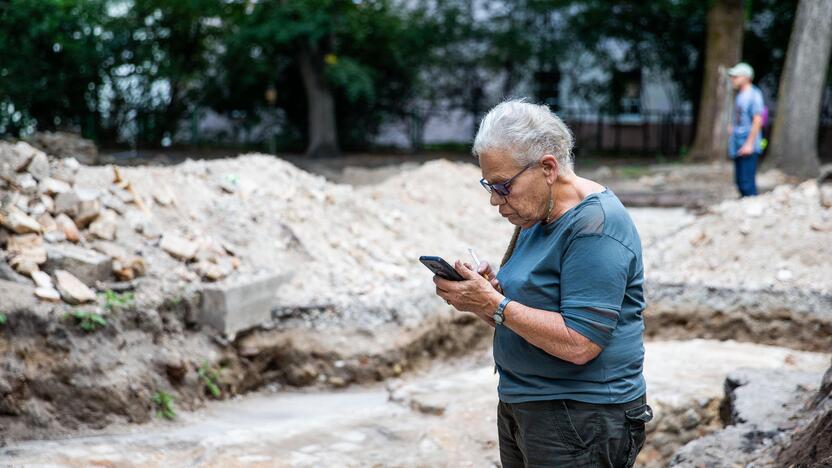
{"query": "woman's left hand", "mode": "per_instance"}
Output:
(474, 294)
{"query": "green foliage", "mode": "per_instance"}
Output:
(88, 321)
(164, 405)
(211, 378)
(2, 319)
(52, 53)
(114, 301)
(134, 71)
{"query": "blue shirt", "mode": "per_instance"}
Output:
(747, 104)
(586, 266)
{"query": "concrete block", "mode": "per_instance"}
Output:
(87, 265)
(240, 303)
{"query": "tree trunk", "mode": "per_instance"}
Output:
(323, 134)
(794, 141)
(723, 48)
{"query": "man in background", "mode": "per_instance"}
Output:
(744, 146)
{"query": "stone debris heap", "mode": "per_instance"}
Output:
(63, 235)
(779, 240)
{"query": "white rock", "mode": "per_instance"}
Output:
(784, 274)
(42, 280)
(48, 294)
(104, 227)
(39, 166)
(72, 289)
(19, 222)
(178, 247)
(53, 186)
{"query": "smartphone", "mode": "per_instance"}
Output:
(440, 267)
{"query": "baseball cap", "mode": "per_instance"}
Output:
(741, 69)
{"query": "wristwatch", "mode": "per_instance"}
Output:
(498, 314)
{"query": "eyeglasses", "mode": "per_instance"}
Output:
(502, 187)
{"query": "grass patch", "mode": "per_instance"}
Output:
(88, 321)
(114, 301)
(164, 405)
(211, 378)
(633, 172)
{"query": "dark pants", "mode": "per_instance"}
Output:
(568, 433)
(745, 172)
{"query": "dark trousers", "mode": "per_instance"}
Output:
(568, 433)
(745, 173)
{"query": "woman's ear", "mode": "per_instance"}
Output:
(550, 167)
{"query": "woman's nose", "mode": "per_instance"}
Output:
(497, 199)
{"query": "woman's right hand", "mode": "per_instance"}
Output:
(487, 271)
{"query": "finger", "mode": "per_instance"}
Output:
(442, 284)
(495, 283)
(466, 271)
(485, 267)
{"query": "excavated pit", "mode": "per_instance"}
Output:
(58, 380)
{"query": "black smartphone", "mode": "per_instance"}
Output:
(440, 267)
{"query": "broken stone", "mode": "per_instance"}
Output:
(105, 226)
(67, 202)
(826, 195)
(163, 196)
(122, 194)
(784, 274)
(19, 222)
(88, 211)
(47, 222)
(108, 200)
(23, 242)
(72, 289)
(112, 250)
(48, 202)
(178, 247)
(41, 279)
(48, 294)
(37, 209)
(39, 166)
(87, 265)
(52, 186)
(19, 154)
(209, 270)
(26, 183)
(66, 225)
(24, 264)
(54, 237)
(62, 170)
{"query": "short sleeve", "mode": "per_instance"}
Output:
(594, 274)
(755, 107)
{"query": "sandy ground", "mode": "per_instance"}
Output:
(361, 426)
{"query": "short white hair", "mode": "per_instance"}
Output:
(527, 132)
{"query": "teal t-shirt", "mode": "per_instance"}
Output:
(586, 266)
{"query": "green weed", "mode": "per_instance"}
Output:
(164, 405)
(211, 378)
(88, 321)
(2, 319)
(114, 301)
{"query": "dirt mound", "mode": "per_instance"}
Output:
(780, 240)
(65, 145)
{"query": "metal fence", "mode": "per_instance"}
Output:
(649, 132)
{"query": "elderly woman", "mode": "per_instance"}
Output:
(567, 302)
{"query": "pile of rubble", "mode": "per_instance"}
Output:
(778, 241)
(67, 237)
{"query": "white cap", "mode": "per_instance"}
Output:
(741, 69)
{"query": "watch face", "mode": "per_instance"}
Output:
(498, 318)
